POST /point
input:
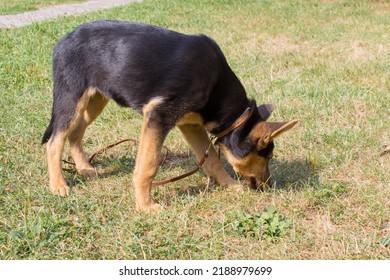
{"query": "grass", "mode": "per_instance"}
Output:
(324, 62)
(19, 6)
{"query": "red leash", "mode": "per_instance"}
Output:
(158, 183)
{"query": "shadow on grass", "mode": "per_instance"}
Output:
(285, 175)
(109, 166)
(296, 174)
(114, 166)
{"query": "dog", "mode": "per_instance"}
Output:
(172, 79)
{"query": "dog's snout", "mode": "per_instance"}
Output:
(253, 183)
(258, 183)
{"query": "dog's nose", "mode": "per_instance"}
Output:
(253, 183)
(258, 185)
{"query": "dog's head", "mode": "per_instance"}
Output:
(250, 149)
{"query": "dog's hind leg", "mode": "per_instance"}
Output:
(54, 148)
(66, 116)
(96, 104)
(196, 136)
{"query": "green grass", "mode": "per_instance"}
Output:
(19, 6)
(324, 62)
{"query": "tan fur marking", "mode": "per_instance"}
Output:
(210, 126)
(152, 104)
(95, 106)
(195, 118)
(190, 118)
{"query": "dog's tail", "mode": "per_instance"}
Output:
(48, 132)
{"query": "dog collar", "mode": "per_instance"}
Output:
(241, 119)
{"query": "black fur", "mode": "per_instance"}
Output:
(131, 63)
(48, 133)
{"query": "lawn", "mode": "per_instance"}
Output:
(19, 6)
(324, 62)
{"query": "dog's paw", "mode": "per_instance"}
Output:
(61, 189)
(88, 173)
(235, 188)
(155, 208)
(151, 209)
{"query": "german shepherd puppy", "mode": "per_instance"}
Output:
(172, 79)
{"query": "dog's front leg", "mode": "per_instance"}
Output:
(146, 166)
(147, 162)
(196, 136)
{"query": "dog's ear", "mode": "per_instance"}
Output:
(265, 132)
(265, 110)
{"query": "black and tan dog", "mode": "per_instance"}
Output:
(172, 79)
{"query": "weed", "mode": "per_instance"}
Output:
(265, 225)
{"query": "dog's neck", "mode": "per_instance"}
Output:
(227, 104)
(236, 139)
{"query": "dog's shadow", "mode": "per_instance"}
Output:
(296, 174)
(108, 166)
(114, 166)
(285, 175)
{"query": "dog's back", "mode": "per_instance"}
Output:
(132, 63)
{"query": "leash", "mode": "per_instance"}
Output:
(241, 119)
(158, 183)
(189, 173)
